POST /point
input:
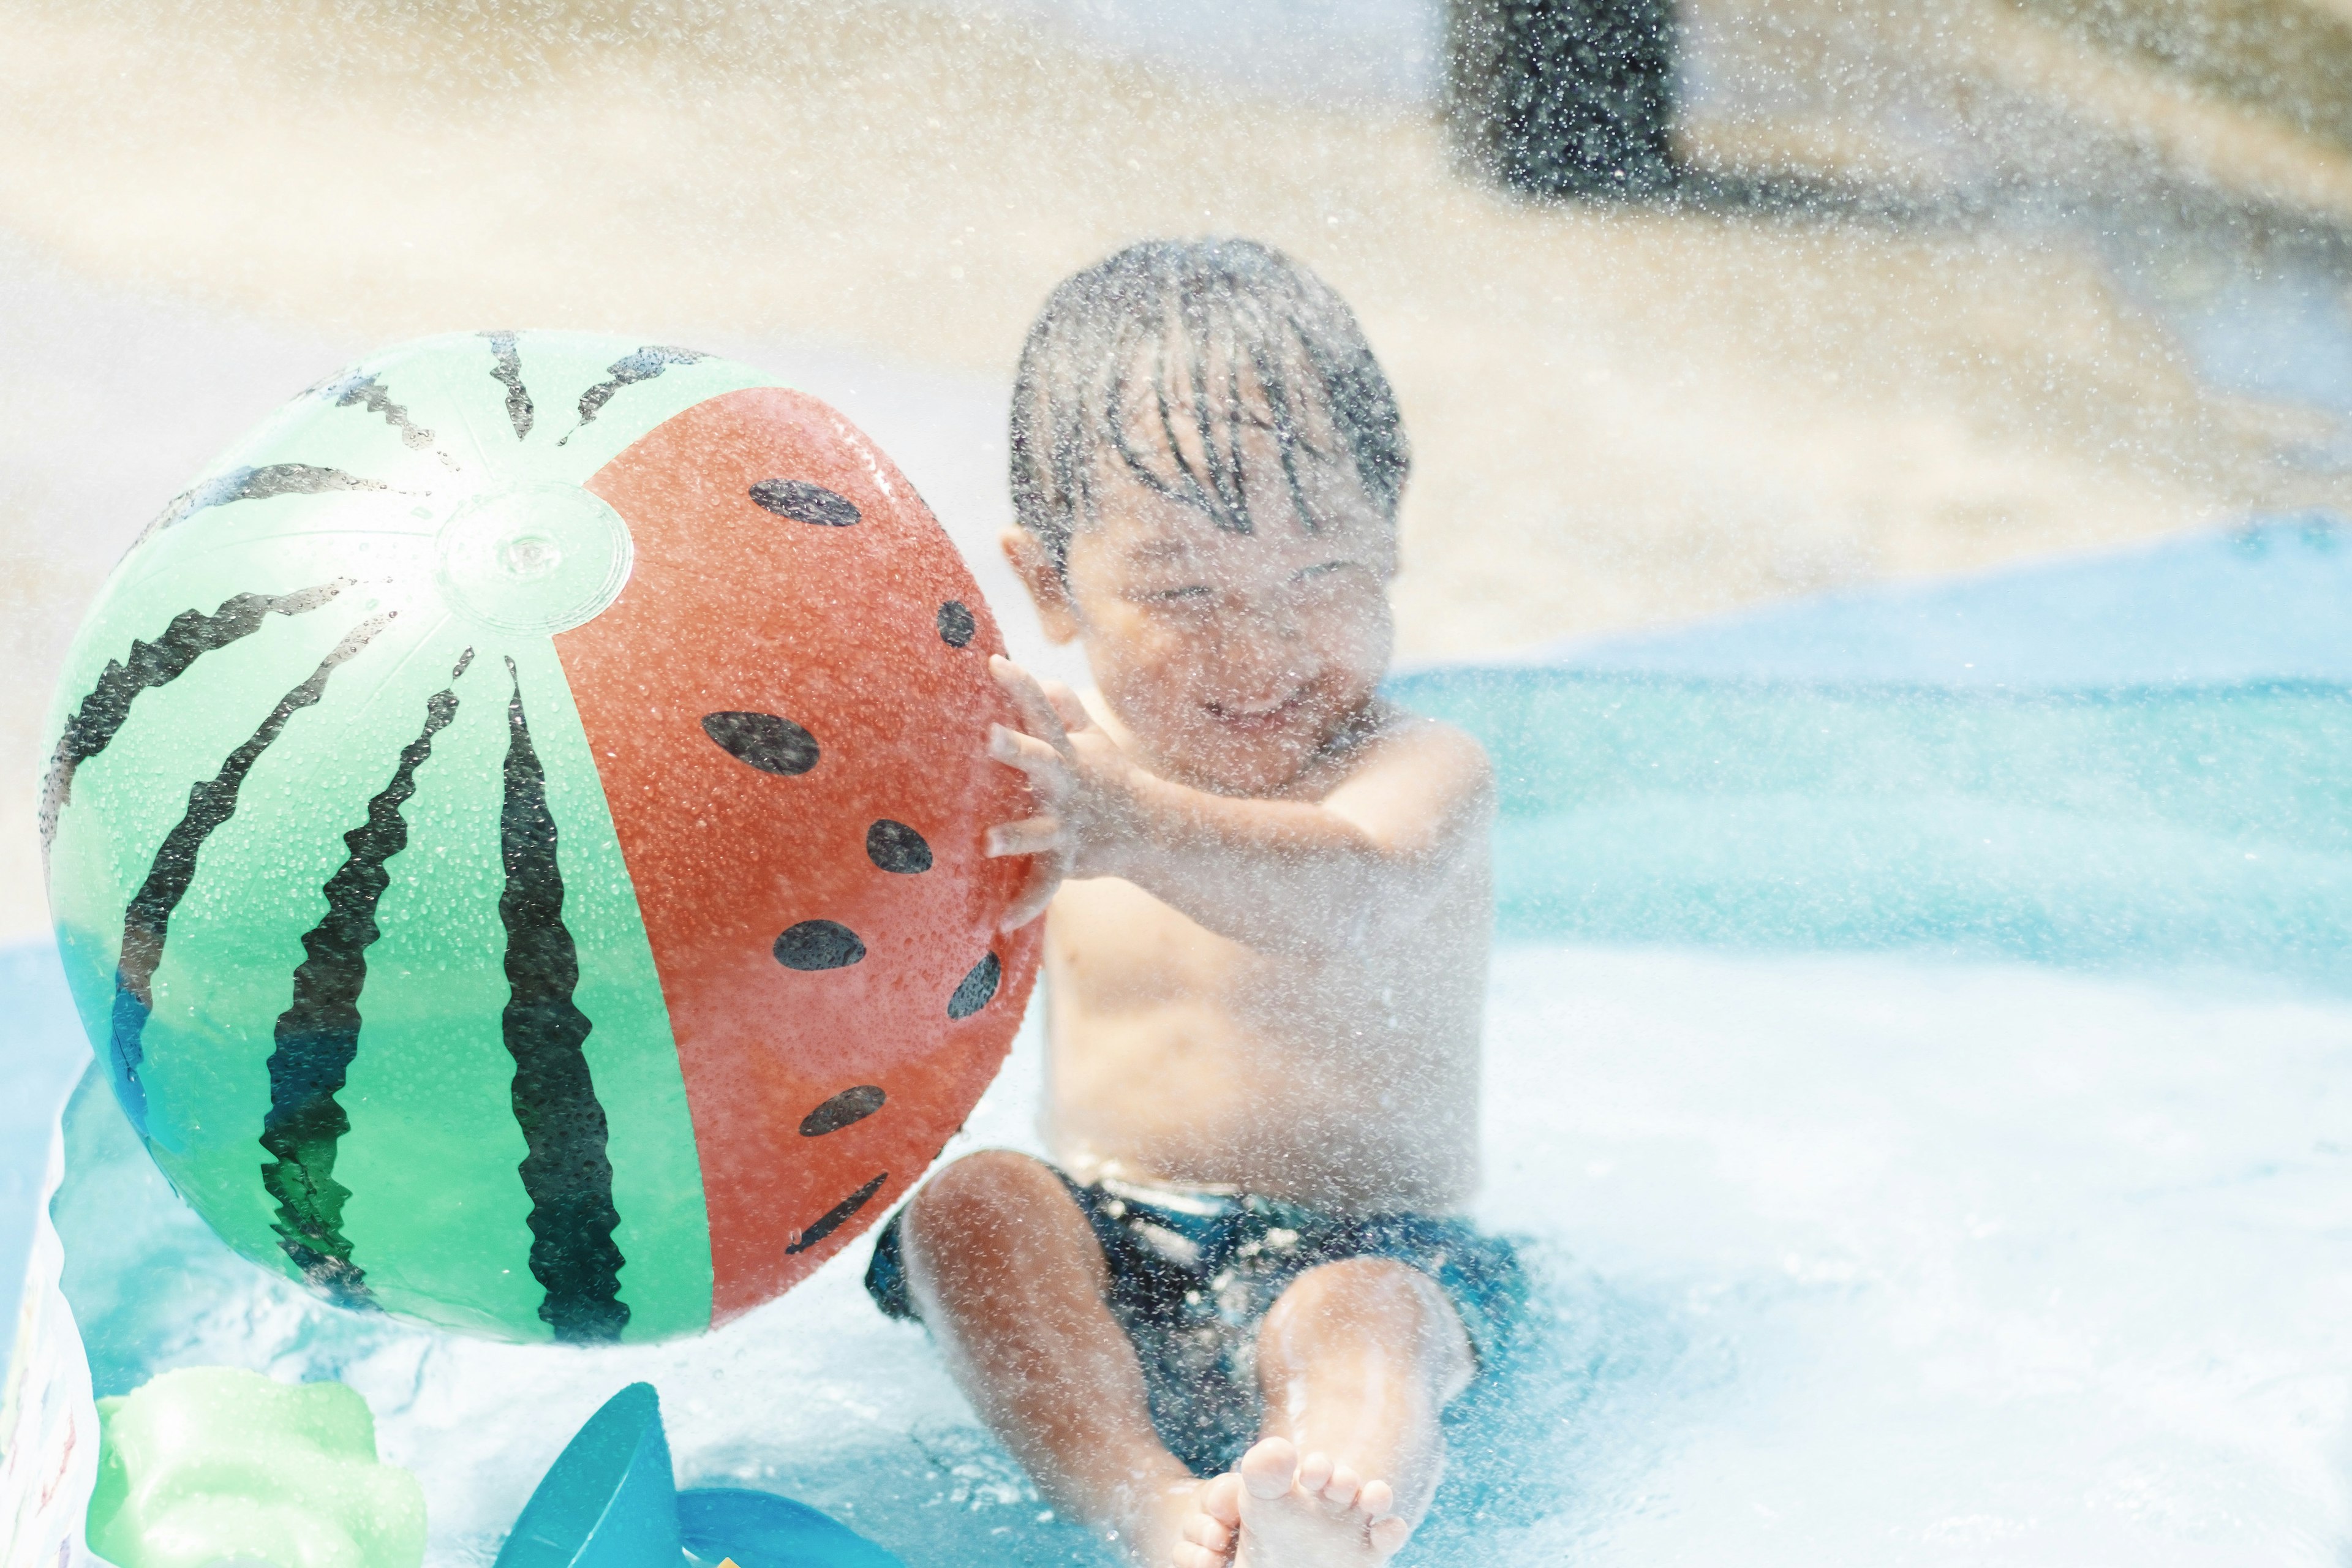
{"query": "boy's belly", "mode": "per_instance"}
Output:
(1338, 1157)
(1177, 1056)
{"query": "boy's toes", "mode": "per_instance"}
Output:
(1377, 1499)
(1315, 1473)
(1210, 1530)
(1213, 1534)
(1389, 1535)
(1269, 1468)
(1221, 1500)
(1212, 1539)
(1339, 1491)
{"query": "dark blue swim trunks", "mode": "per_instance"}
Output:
(1192, 1273)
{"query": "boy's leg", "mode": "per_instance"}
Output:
(1005, 1271)
(1358, 1361)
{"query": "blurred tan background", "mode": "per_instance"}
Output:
(1946, 290)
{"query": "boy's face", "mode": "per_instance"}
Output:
(1233, 658)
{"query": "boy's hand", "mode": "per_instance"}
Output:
(1083, 784)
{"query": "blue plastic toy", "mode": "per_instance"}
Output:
(609, 1501)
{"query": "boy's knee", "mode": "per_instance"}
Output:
(994, 1224)
(1360, 1300)
(979, 1192)
(1355, 1294)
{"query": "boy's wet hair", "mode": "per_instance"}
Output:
(1193, 331)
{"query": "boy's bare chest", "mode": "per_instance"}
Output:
(1120, 962)
(1114, 949)
(1179, 1054)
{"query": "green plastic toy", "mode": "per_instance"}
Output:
(215, 1463)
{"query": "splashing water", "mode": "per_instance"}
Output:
(1917, 1051)
(1920, 1101)
(1843, 1259)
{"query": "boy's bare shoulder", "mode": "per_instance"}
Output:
(1408, 767)
(1398, 736)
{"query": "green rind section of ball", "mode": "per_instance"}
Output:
(436, 1217)
(418, 1180)
(448, 389)
(437, 1212)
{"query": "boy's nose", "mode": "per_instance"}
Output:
(1265, 650)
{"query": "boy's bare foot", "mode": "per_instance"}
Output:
(1310, 1512)
(1211, 1525)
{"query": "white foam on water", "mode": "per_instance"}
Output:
(1989, 1262)
(1872, 1259)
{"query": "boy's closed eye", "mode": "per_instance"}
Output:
(1333, 578)
(1323, 577)
(1329, 577)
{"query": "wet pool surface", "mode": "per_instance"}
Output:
(1923, 1094)
(1844, 1258)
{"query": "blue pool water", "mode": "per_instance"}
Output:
(2132, 761)
(41, 1054)
(2263, 603)
(1919, 1060)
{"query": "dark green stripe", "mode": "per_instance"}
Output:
(147, 922)
(366, 391)
(567, 1172)
(191, 635)
(318, 1034)
(255, 484)
(521, 412)
(640, 365)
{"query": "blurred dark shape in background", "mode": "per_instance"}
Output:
(1563, 98)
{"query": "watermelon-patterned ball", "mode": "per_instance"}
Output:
(514, 827)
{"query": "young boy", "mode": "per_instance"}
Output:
(1266, 955)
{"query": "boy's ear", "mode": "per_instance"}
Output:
(1044, 580)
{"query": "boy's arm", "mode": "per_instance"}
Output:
(1364, 863)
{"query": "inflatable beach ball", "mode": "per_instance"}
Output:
(514, 834)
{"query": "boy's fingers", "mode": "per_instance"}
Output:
(1067, 706)
(1033, 835)
(1029, 699)
(1048, 771)
(1045, 881)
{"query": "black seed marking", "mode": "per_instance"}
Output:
(804, 503)
(520, 410)
(834, 1218)
(851, 1105)
(765, 740)
(255, 484)
(819, 945)
(366, 391)
(956, 623)
(567, 1172)
(627, 371)
(895, 846)
(147, 922)
(191, 635)
(975, 990)
(318, 1034)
